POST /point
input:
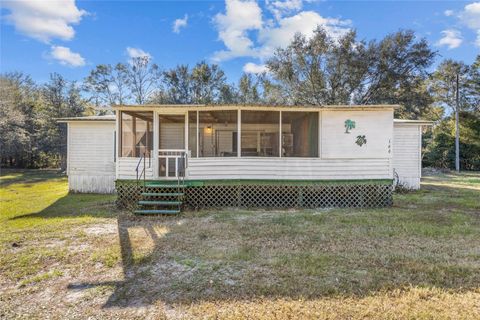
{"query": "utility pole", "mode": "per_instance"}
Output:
(457, 131)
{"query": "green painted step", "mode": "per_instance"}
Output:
(157, 211)
(162, 194)
(150, 202)
(153, 185)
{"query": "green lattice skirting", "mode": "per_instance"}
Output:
(271, 194)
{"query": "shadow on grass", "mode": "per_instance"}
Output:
(206, 259)
(28, 177)
(77, 205)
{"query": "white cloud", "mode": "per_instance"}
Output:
(451, 38)
(180, 23)
(44, 20)
(137, 53)
(448, 13)
(305, 23)
(66, 57)
(239, 18)
(471, 15)
(245, 34)
(282, 7)
(251, 67)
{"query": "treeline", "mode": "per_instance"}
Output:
(320, 70)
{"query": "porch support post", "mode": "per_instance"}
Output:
(156, 146)
(280, 135)
(118, 141)
(186, 131)
(239, 132)
(198, 135)
(320, 134)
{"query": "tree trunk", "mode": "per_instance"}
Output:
(457, 133)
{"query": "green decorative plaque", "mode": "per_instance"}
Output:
(349, 125)
(361, 140)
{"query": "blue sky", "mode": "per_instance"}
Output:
(71, 37)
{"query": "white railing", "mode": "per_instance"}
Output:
(178, 158)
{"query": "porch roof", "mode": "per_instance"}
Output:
(87, 118)
(250, 107)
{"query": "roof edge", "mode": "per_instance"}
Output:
(414, 122)
(357, 106)
(87, 118)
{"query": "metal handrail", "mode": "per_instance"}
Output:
(144, 169)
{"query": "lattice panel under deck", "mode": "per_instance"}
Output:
(271, 196)
(323, 196)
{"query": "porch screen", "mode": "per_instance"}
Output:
(172, 132)
(136, 133)
(217, 133)
(299, 134)
(260, 133)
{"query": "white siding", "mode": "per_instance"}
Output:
(288, 168)
(376, 126)
(126, 168)
(91, 166)
(407, 154)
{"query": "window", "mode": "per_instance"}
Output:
(299, 134)
(217, 133)
(260, 133)
(136, 133)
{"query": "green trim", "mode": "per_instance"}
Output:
(236, 182)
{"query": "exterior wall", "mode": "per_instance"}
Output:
(340, 157)
(91, 166)
(126, 168)
(288, 169)
(407, 161)
(376, 126)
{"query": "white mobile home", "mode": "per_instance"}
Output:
(323, 155)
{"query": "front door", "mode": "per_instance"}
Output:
(171, 145)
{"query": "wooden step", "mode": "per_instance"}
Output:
(157, 212)
(160, 203)
(162, 194)
(171, 186)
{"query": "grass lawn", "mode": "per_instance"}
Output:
(76, 256)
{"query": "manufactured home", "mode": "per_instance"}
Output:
(159, 157)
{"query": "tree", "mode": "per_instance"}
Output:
(207, 81)
(60, 99)
(203, 84)
(323, 70)
(13, 133)
(440, 152)
(107, 85)
(142, 78)
(473, 86)
(449, 87)
(178, 85)
(248, 91)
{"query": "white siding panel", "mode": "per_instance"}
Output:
(91, 184)
(91, 166)
(288, 169)
(127, 166)
(375, 125)
(406, 154)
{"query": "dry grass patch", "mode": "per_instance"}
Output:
(411, 303)
(418, 259)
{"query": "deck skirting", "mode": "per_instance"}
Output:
(337, 194)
